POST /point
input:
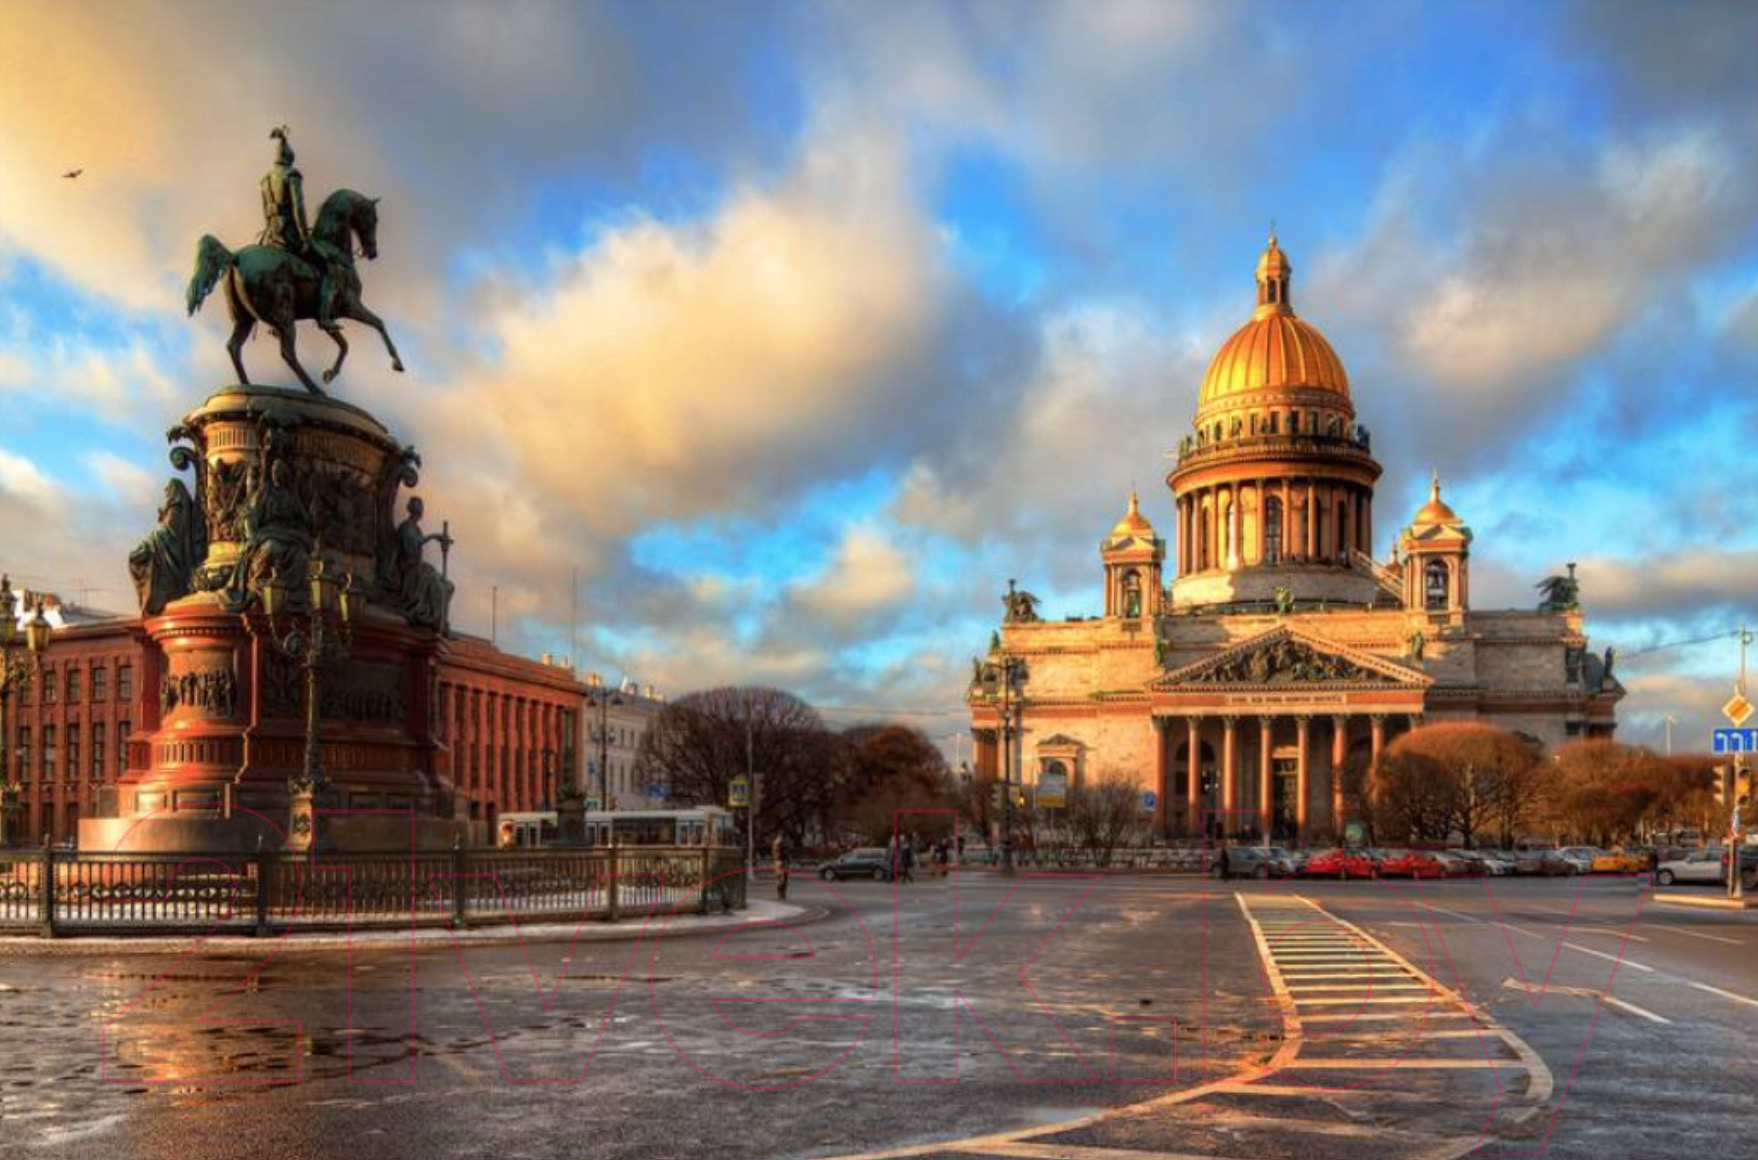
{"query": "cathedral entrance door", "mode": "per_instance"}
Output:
(1284, 775)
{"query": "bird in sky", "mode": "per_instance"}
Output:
(71, 173)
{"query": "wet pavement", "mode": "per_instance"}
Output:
(1028, 1014)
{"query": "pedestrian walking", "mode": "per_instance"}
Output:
(1226, 864)
(775, 853)
(907, 856)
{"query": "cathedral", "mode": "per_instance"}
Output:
(1255, 691)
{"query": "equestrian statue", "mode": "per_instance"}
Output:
(296, 270)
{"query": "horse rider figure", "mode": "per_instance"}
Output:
(286, 228)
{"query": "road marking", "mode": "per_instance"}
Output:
(1618, 959)
(1310, 986)
(1401, 1063)
(1429, 998)
(1615, 933)
(1732, 942)
(1586, 993)
(1381, 1017)
(1726, 994)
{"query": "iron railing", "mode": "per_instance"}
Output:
(64, 892)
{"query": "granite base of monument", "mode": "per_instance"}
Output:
(293, 630)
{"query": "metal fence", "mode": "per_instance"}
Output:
(64, 892)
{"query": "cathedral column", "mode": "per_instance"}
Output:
(1266, 796)
(1339, 754)
(1303, 725)
(1193, 788)
(1312, 520)
(1162, 784)
(1229, 770)
(1289, 548)
(1379, 735)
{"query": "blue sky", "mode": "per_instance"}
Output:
(797, 329)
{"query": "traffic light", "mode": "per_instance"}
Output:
(995, 801)
(1742, 788)
(1720, 785)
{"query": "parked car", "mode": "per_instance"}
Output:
(1545, 862)
(1411, 864)
(866, 862)
(1475, 864)
(1340, 863)
(1259, 862)
(1697, 866)
(1581, 857)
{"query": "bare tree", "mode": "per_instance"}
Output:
(895, 768)
(1601, 791)
(1415, 796)
(1105, 815)
(699, 743)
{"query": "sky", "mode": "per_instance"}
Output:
(793, 331)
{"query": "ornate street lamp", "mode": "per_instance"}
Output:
(601, 697)
(15, 672)
(323, 638)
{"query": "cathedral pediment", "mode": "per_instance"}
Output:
(1285, 658)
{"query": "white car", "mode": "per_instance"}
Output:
(1697, 866)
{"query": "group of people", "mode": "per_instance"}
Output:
(904, 859)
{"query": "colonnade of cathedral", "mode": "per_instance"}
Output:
(1270, 521)
(1242, 775)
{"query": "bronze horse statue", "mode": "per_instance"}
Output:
(269, 285)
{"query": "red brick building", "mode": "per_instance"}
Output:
(511, 727)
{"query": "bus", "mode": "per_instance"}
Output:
(695, 826)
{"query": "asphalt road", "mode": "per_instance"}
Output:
(1048, 1010)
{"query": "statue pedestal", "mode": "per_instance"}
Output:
(283, 477)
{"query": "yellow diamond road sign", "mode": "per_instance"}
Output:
(1737, 710)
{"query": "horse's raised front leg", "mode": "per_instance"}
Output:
(353, 309)
(292, 360)
(335, 332)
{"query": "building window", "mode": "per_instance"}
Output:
(123, 728)
(1342, 541)
(51, 686)
(72, 685)
(100, 684)
(1275, 424)
(73, 749)
(124, 683)
(1435, 585)
(98, 739)
(1273, 530)
(49, 754)
(24, 751)
(1132, 594)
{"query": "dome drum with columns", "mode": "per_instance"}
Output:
(1255, 692)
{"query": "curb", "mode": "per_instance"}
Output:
(1708, 901)
(421, 938)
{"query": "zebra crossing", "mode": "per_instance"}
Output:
(1373, 1049)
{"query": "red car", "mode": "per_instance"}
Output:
(1412, 864)
(1339, 864)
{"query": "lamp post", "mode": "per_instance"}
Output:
(15, 673)
(1013, 675)
(313, 644)
(601, 697)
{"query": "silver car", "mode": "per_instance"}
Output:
(1697, 866)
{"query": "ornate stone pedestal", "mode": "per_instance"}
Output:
(283, 478)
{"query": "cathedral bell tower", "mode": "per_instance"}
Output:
(1436, 549)
(1132, 554)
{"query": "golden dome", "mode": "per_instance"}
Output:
(1276, 349)
(1133, 523)
(1435, 511)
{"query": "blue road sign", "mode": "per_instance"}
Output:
(1736, 741)
(1148, 799)
(656, 791)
